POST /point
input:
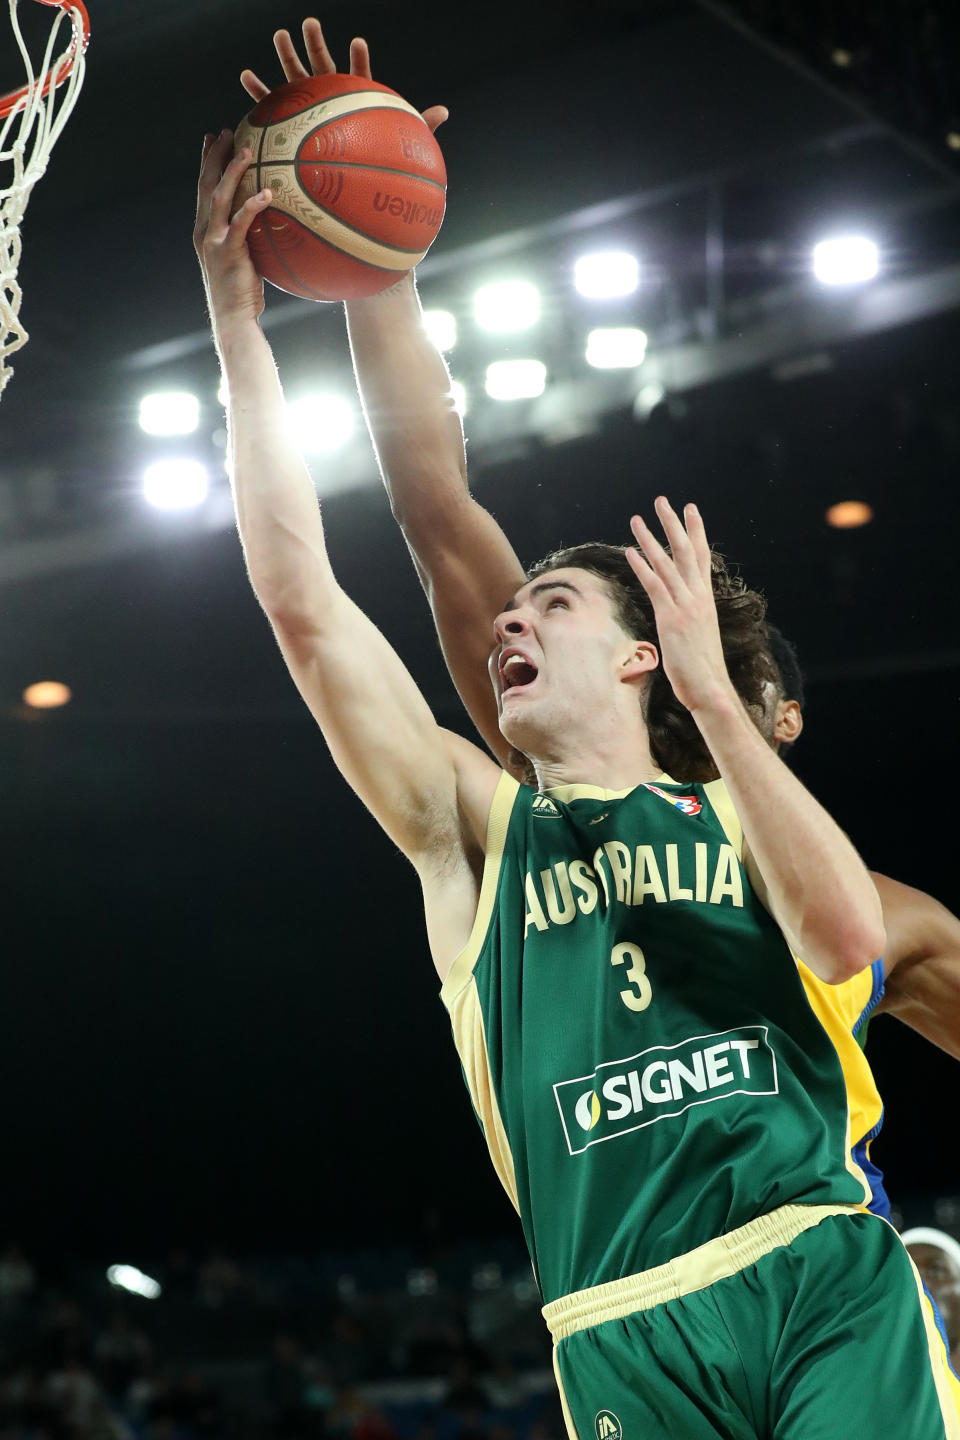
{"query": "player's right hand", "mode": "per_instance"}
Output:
(322, 63)
(234, 289)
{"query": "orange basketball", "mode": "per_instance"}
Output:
(358, 181)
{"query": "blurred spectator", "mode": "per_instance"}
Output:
(220, 1280)
(120, 1353)
(17, 1279)
(504, 1387)
(937, 1257)
(345, 1351)
(284, 1387)
(74, 1392)
(464, 1392)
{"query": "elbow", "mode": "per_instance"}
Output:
(852, 951)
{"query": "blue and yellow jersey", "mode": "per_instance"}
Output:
(843, 1011)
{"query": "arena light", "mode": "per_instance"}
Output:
(169, 412)
(516, 379)
(459, 398)
(849, 514)
(620, 348)
(507, 305)
(320, 423)
(47, 695)
(128, 1277)
(606, 274)
(845, 260)
(175, 484)
(441, 326)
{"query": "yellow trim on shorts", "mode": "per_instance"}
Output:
(717, 1259)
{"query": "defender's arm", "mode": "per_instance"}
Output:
(466, 564)
(922, 962)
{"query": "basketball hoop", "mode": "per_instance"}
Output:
(31, 120)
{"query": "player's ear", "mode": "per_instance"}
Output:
(789, 722)
(643, 658)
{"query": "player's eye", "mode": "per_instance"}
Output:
(557, 600)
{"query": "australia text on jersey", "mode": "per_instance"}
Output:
(662, 1081)
(643, 874)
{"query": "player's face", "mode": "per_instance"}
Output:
(558, 656)
(941, 1275)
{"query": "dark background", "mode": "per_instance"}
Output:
(219, 1018)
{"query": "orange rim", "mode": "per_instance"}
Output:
(61, 67)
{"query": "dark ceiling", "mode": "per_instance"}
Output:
(209, 943)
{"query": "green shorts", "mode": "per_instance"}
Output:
(808, 1324)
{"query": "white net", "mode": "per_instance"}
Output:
(28, 133)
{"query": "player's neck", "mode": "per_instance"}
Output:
(615, 762)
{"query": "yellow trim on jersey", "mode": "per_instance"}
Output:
(719, 797)
(459, 993)
(838, 1007)
(498, 822)
(716, 1260)
(566, 793)
(470, 1038)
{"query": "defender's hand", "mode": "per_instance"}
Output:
(681, 591)
(234, 289)
(322, 63)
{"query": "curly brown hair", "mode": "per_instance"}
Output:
(675, 742)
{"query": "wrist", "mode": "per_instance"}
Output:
(405, 288)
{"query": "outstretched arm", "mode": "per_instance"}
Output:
(922, 962)
(429, 790)
(466, 564)
(817, 886)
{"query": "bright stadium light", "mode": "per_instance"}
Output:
(175, 484)
(507, 305)
(320, 423)
(616, 349)
(128, 1277)
(459, 398)
(441, 326)
(169, 412)
(845, 260)
(516, 379)
(47, 695)
(606, 274)
(223, 393)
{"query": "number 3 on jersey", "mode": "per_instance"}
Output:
(640, 994)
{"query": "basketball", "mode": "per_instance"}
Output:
(358, 182)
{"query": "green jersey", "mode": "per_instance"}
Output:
(635, 1035)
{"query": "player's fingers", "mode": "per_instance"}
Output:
(253, 85)
(679, 541)
(321, 61)
(435, 115)
(656, 556)
(649, 579)
(360, 59)
(215, 151)
(698, 539)
(221, 202)
(246, 215)
(293, 66)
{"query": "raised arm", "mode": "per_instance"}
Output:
(465, 562)
(922, 963)
(429, 790)
(815, 883)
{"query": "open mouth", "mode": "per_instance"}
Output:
(516, 671)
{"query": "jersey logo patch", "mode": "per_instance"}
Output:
(607, 1426)
(622, 1096)
(544, 808)
(688, 804)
